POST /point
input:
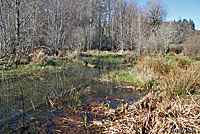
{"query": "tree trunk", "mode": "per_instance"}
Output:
(18, 32)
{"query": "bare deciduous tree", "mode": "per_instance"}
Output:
(26, 25)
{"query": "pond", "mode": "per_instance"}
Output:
(29, 99)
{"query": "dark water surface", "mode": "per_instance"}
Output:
(28, 99)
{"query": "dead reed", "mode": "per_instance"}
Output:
(153, 115)
(172, 105)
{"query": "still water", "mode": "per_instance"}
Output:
(28, 99)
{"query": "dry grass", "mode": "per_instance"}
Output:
(159, 66)
(171, 105)
(41, 57)
(181, 83)
(152, 115)
(69, 54)
(38, 57)
(177, 77)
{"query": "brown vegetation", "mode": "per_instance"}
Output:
(79, 120)
(153, 115)
(172, 103)
(192, 46)
(38, 57)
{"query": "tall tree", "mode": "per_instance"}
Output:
(156, 13)
(192, 24)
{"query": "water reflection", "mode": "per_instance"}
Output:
(25, 101)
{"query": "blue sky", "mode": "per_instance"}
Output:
(180, 9)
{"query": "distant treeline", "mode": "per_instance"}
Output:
(26, 25)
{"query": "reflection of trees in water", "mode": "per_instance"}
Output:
(21, 97)
(26, 100)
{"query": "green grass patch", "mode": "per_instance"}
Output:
(174, 58)
(123, 76)
(173, 73)
(107, 54)
(131, 78)
(169, 57)
(24, 70)
(53, 64)
(103, 57)
(114, 59)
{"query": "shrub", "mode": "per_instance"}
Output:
(192, 46)
(176, 48)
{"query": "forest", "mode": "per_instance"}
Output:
(97, 66)
(82, 25)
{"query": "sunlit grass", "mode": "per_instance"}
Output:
(123, 76)
(22, 70)
(178, 75)
(104, 57)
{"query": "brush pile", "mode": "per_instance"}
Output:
(152, 115)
